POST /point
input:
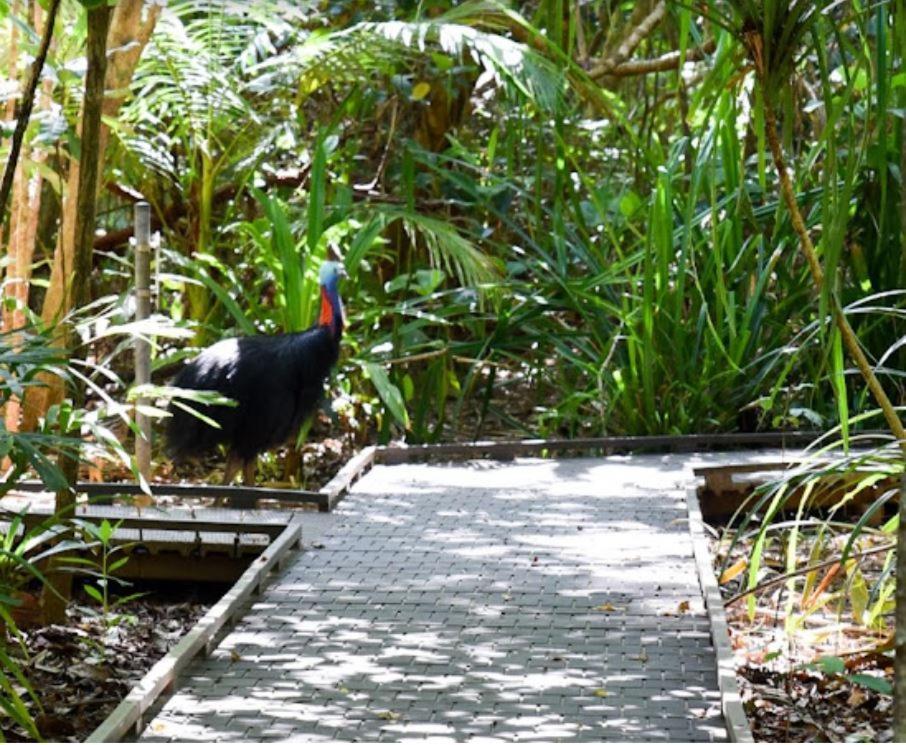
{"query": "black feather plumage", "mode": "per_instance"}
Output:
(276, 381)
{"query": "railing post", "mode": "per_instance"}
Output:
(143, 346)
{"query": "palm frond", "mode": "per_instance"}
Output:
(446, 247)
(368, 48)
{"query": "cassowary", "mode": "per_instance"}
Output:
(276, 382)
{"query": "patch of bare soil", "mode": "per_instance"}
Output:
(811, 664)
(81, 671)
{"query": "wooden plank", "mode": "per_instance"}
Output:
(510, 449)
(164, 673)
(719, 479)
(731, 706)
(211, 515)
(346, 477)
(745, 467)
(175, 520)
(167, 565)
(92, 488)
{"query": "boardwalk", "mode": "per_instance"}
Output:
(534, 600)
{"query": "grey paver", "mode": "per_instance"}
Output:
(534, 600)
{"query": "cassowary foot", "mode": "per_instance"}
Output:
(234, 464)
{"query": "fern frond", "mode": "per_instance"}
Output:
(385, 47)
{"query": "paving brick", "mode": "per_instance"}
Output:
(532, 601)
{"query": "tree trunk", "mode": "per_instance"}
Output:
(899, 676)
(78, 291)
(850, 341)
(899, 669)
(13, 59)
(23, 232)
(131, 26)
(25, 107)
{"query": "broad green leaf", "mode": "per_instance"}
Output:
(388, 393)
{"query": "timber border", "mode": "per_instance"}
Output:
(202, 638)
(731, 707)
(162, 678)
(327, 497)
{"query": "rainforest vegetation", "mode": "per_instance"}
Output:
(558, 218)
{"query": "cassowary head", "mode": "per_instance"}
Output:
(331, 305)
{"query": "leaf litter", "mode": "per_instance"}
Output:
(806, 670)
(82, 670)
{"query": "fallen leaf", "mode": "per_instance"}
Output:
(731, 572)
(607, 608)
(390, 716)
(88, 672)
(857, 697)
(601, 693)
(683, 607)
(235, 656)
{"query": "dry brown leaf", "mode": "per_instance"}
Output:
(857, 697)
(732, 572)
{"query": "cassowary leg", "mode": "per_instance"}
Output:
(233, 464)
(245, 501)
(248, 472)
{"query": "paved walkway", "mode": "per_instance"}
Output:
(532, 600)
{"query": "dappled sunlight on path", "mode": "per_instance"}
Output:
(530, 601)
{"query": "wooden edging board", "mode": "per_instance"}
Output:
(325, 498)
(391, 455)
(162, 676)
(737, 722)
(357, 465)
(178, 519)
(232, 493)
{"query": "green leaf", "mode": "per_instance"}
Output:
(408, 387)
(630, 203)
(105, 532)
(119, 563)
(831, 665)
(93, 592)
(388, 393)
(881, 685)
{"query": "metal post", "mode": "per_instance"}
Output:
(142, 346)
